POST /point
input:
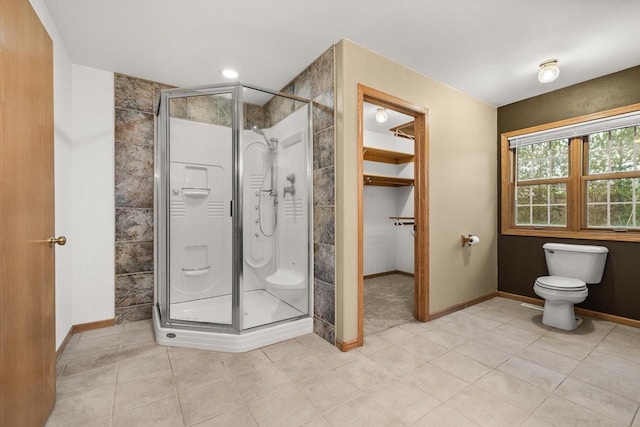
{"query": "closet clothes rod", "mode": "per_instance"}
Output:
(403, 220)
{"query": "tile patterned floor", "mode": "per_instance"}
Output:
(492, 364)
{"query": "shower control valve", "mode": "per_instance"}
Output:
(291, 178)
(290, 189)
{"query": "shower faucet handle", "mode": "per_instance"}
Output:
(291, 178)
(290, 189)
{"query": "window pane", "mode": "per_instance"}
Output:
(540, 194)
(613, 151)
(541, 168)
(622, 215)
(542, 161)
(622, 137)
(543, 204)
(621, 190)
(613, 203)
(525, 170)
(524, 195)
(540, 215)
(597, 216)
(523, 216)
(558, 215)
(597, 191)
(559, 167)
(558, 194)
(598, 160)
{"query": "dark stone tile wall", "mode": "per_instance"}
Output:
(317, 83)
(135, 100)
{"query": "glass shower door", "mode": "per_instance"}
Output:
(200, 223)
(276, 196)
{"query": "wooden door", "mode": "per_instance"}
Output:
(27, 321)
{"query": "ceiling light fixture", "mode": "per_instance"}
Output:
(381, 115)
(549, 71)
(229, 73)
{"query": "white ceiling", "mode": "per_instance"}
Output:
(394, 118)
(489, 49)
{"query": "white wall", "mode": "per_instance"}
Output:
(63, 171)
(405, 259)
(92, 192)
(379, 234)
(387, 247)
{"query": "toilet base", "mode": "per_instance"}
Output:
(560, 316)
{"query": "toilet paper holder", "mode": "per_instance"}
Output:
(469, 239)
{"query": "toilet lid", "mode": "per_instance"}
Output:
(561, 283)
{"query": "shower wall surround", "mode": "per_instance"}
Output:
(135, 102)
(317, 83)
(134, 135)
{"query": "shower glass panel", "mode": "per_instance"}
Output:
(233, 209)
(276, 199)
(199, 222)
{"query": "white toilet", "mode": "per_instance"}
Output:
(571, 267)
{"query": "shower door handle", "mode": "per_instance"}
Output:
(231, 208)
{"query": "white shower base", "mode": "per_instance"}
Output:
(261, 308)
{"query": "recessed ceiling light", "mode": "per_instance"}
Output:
(549, 71)
(230, 74)
(381, 115)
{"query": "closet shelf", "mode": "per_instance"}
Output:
(387, 181)
(406, 130)
(386, 156)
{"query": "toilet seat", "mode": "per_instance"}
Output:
(558, 283)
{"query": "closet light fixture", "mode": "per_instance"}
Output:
(381, 115)
(230, 73)
(549, 71)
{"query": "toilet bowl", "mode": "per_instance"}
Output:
(570, 267)
(560, 294)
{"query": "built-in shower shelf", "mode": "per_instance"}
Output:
(192, 272)
(387, 181)
(196, 192)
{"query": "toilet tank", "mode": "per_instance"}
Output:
(577, 261)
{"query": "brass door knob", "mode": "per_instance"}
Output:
(62, 240)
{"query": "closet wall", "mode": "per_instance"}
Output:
(387, 247)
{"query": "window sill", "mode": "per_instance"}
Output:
(627, 236)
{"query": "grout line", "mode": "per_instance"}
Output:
(175, 389)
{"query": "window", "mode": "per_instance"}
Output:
(542, 174)
(578, 178)
(613, 179)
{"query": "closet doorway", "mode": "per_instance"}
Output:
(393, 226)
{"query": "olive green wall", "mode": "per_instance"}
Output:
(521, 259)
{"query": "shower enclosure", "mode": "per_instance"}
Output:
(232, 218)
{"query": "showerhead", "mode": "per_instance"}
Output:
(271, 142)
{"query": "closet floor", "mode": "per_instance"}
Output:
(388, 302)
